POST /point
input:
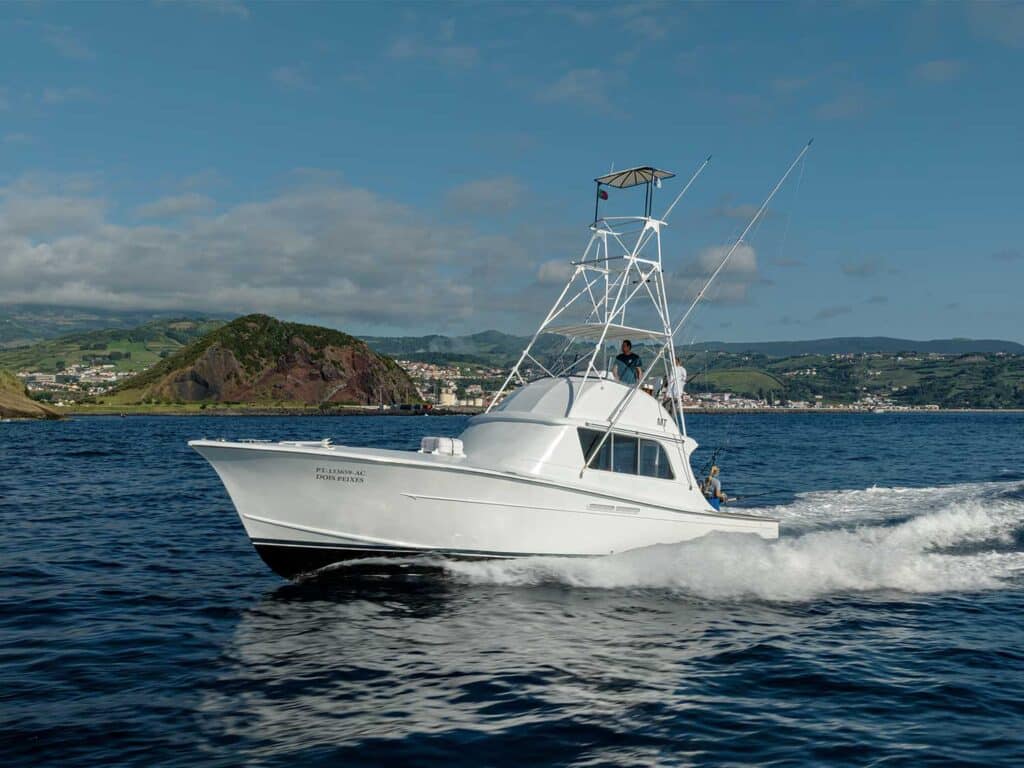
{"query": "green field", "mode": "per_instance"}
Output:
(964, 381)
(128, 350)
(740, 381)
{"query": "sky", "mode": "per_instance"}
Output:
(393, 169)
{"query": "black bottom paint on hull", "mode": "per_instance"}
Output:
(291, 561)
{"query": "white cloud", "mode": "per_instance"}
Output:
(999, 21)
(586, 87)
(827, 313)
(442, 48)
(742, 262)
(31, 210)
(1009, 254)
(939, 70)
(56, 96)
(740, 211)
(292, 78)
(67, 44)
(491, 196)
(868, 267)
(787, 85)
(323, 249)
(233, 8)
(733, 283)
(175, 205)
(648, 21)
(843, 106)
(554, 271)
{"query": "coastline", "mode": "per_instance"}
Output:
(193, 409)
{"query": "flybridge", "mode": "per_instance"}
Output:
(616, 290)
(621, 269)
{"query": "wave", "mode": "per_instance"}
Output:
(817, 509)
(959, 542)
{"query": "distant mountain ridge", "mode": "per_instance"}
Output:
(499, 348)
(489, 347)
(864, 345)
(257, 358)
(130, 349)
(22, 324)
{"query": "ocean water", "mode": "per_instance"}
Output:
(886, 626)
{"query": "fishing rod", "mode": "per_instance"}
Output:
(684, 190)
(712, 461)
(649, 233)
(739, 240)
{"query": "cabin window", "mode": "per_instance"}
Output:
(624, 450)
(626, 455)
(589, 438)
(654, 461)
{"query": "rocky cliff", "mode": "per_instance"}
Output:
(257, 358)
(16, 404)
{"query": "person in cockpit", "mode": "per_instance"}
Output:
(673, 387)
(712, 490)
(628, 366)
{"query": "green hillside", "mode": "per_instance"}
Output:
(257, 358)
(862, 345)
(24, 324)
(484, 348)
(128, 349)
(496, 348)
(950, 381)
(741, 381)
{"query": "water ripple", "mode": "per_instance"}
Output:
(137, 626)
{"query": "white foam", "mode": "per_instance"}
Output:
(958, 547)
(832, 508)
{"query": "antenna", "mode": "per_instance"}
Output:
(739, 240)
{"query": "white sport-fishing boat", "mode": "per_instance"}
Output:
(566, 460)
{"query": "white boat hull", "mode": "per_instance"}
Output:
(305, 508)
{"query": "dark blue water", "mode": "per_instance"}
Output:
(139, 628)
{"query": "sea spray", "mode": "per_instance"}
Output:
(911, 556)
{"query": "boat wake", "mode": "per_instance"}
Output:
(925, 540)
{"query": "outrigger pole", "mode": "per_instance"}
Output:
(739, 240)
(684, 190)
(648, 234)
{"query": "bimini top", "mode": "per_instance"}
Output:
(594, 331)
(630, 177)
(593, 402)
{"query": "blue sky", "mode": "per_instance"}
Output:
(389, 168)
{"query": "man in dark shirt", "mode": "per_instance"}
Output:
(628, 366)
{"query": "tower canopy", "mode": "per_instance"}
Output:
(630, 177)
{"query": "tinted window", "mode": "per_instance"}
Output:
(624, 454)
(589, 438)
(654, 461)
